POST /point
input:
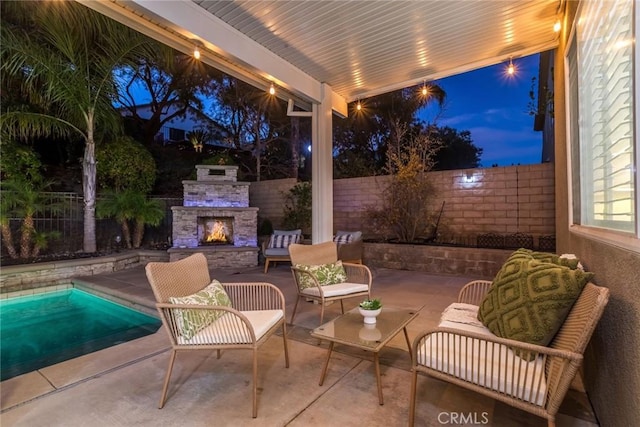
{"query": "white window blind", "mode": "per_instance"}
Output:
(600, 59)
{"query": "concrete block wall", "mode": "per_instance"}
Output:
(500, 200)
(269, 197)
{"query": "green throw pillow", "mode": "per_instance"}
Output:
(529, 300)
(327, 274)
(190, 322)
(544, 257)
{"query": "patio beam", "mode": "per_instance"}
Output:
(182, 23)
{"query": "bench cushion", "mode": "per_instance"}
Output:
(476, 361)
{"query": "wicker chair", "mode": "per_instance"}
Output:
(490, 365)
(256, 312)
(358, 282)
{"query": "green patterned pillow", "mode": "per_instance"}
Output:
(529, 300)
(190, 322)
(327, 274)
(544, 257)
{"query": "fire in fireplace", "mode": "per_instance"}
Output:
(215, 231)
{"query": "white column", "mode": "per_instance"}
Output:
(322, 168)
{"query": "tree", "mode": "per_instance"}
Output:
(368, 132)
(405, 209)
(457, 150)
(127, 207)
(253, 119)
(22, 197)
(125, 164)
(174, 83)
(66, 56)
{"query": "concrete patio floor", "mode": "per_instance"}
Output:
(121, 385)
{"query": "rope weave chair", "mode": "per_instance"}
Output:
(491, 366)
(256, 312)
(358, 283)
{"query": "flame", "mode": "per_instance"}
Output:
(217, 233)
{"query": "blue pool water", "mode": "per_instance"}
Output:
(44, 329)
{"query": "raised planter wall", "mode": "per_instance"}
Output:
(31, 276)
(472, 262)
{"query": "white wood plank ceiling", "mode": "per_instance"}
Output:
(363, 48)
(360, 48)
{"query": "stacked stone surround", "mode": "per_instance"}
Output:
(216, 193)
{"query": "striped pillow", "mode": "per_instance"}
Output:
(282, 241)
(343, 238)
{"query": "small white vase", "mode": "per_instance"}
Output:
(369, 315)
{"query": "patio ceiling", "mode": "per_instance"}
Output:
(359, 48)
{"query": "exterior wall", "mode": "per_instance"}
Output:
(269, 197)
(611, 374)
(477, 201)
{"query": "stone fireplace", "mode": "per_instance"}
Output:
(216, 219)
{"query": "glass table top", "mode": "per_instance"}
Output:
(350, 328)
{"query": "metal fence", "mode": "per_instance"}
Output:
(68, 221)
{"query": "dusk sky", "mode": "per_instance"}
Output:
(494, 108)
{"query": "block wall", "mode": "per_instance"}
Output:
(476, 201)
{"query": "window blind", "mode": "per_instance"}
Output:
(605, 116)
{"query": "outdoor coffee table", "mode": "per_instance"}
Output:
(350, 329)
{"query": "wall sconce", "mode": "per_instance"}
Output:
(557, 26)
(468, 177)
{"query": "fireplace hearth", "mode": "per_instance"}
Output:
(216, 219)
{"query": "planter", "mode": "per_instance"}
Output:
(369, 315)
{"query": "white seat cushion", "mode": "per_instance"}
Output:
(228, 329)
(345, 288)
(488, 366)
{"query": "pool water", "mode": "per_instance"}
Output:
(45, 329)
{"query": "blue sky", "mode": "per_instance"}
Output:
(494, 108)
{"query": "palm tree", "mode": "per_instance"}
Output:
(148, 212)
(24, 199)
(127, 206)
(66, 56)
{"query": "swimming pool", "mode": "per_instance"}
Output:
(45, 329)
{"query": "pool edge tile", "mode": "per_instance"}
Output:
(23, 388)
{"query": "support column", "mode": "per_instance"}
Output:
(322, 168)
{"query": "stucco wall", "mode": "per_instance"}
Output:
(611, 373)
(476, 201)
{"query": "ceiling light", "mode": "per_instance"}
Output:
(425, 90)
(358, 106)
(557, 26)
(511, 69)
(272, 90)
(196, 53)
